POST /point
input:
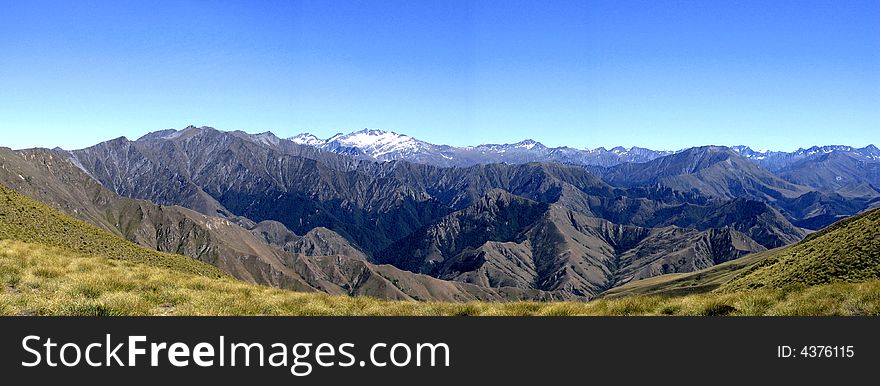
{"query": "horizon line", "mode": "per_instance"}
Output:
(627, 148)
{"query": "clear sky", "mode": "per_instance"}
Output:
(660, 74)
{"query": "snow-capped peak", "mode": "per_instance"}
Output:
(367, 138)
(377, 142)
(527, 144)
(308, 139)
(387, 146)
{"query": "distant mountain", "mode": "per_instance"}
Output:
(711, 171)
(843, 172)
(379, 145)
(720, 173)
(778, 160)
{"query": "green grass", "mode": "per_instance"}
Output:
(680, 284)
(41, 280)
(25, 219)
(847, 251)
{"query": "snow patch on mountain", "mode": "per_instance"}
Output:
(378, 143)
(308, 139)
(528, 144)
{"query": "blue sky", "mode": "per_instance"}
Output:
(660, 74)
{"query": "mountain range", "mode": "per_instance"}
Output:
(56, 265)
(379, 145)
(384, 214)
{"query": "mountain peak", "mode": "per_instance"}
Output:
(373, 132)
(308, 139)
(497, 193)
(529, 144)
(711, 149)
(501, 198)
(267, 138)
(377, 143)
(161, 134)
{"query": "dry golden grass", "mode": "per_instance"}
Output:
(41, 280)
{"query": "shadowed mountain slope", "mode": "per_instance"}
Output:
(504, 239)
(255, 255)
(847, 251)
(712, 171)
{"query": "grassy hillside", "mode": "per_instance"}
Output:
(28, 220)
(51, 264)
(40, 280)
(847, 251)
(679, 284)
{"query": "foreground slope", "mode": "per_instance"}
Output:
(847, 251)
(54, 265)
(25, 219)
(681, 284)
(40, 280)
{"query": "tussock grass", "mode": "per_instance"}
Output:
(25, 219)
(42, 280)
(847, 251)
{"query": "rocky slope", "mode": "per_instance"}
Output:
(288, 214)
(266, 253)
(508, 240)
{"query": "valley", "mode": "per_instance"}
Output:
(376, 214)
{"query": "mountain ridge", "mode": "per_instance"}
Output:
(277, 212)
(384, 145)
